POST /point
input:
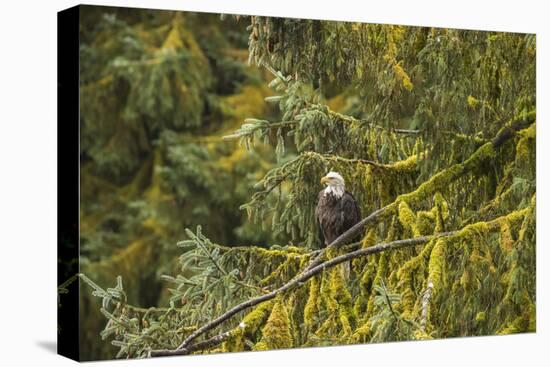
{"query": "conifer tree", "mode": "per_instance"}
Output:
(434, 131)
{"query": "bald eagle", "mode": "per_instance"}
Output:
(337, 210)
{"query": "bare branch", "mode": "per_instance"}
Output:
(208, 343)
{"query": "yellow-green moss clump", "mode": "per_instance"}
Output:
(412, 268)
(248, 327)
(436, 264)
(406, 165)
(342, 297)
(524, 146)
(311, 309)
(441, 212)
(441, 180)
(506, 239)
(276, 333)
(407, 218)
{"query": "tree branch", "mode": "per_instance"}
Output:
(208, 343)
(509, 131)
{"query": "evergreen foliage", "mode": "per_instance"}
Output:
(159, 90)
(435, 126)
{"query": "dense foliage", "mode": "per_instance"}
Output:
(436, 126)
(158, 92)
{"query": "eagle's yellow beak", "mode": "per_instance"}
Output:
(324, 180)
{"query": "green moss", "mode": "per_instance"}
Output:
(436, 265)
(421, 335)
(248, 327)
(519, 325)
(525, 144)
(277, 334)
(380, 273)
(289, 266)
(311, 309)
(338, 288)
(370, 239)
(257, 317)
(362, 333)
(474, 229)
(506, 239)
(382, 267)
(440, 181)
(173, 41)
(405, 278)
(345, 323)
(383, 191)
(407, 218)
(425, 222)
(235, 341)
(414, 263)
(403, 76)
(528, 217)
(358, 264)
(481, 316)
(261, 345)
(472, 102)
(466, 280)
(441, 211)
(336, 299)
(365, 287)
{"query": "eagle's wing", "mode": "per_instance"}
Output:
(320, 234)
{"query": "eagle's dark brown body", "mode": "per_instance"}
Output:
(335, 215)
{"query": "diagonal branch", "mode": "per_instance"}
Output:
(206, 344)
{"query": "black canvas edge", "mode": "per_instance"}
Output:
(68, 180)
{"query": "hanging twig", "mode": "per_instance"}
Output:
(425, 304)
(387, 299)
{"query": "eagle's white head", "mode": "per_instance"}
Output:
(335, 184)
